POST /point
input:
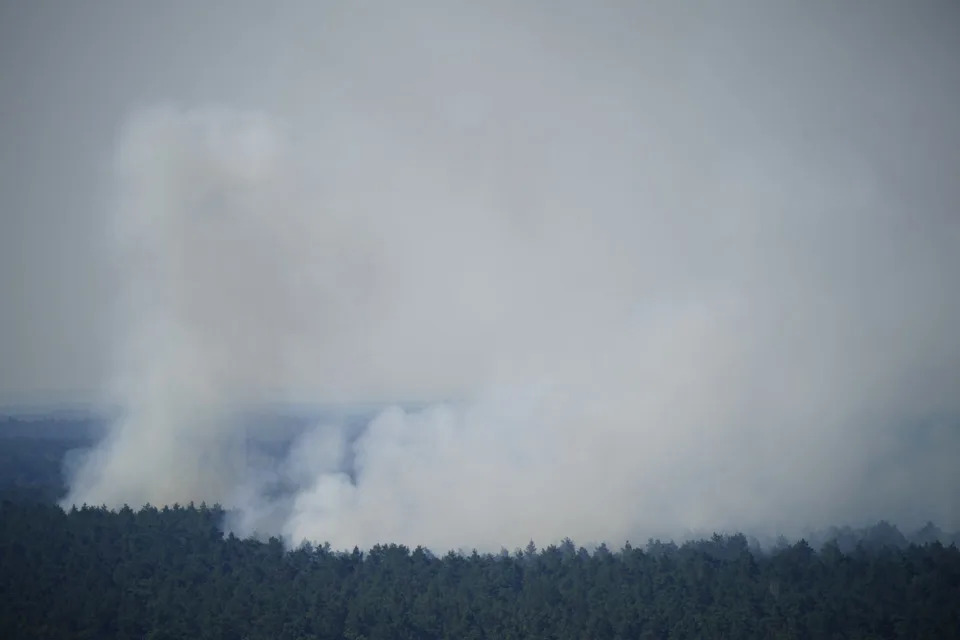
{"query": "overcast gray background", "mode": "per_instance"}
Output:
(698, 259)
(874, 80)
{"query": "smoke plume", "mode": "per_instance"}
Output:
(650, 275)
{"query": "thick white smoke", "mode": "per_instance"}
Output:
(644, 307)
(203, 315)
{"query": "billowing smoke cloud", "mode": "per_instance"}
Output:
(656, 273)
(203, 312)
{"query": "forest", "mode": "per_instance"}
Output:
(172, 572)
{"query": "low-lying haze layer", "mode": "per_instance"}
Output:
(661, 271)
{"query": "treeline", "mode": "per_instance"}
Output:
(171, 573)
(33, 452)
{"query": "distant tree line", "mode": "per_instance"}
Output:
(33, 452)
(171, 573)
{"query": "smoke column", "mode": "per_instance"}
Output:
(658, 285)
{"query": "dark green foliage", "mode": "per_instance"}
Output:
(170, 573)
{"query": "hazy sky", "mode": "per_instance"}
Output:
(533, 93)
(710, 246)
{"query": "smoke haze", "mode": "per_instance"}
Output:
(652, 270)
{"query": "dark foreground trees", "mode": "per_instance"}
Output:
(170, 573)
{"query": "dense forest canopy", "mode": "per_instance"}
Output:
(172, 572)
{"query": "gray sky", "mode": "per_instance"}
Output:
(869, 86)
(71, 74)
(709, 245)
